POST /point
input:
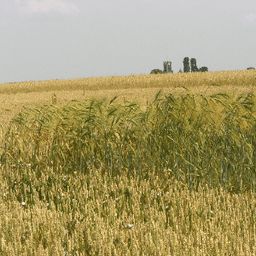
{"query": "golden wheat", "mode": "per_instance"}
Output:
(220, 78)
(96, 177)
(88, 215)
(141, 88)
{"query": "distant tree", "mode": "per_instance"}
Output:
(180, 71)
(186, 66)
(250, 68)
(156, 71)
(203, 69)
(193, 65)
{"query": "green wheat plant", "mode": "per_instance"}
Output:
(99, 178)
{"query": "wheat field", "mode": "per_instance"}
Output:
(137, 165)
(141, 88)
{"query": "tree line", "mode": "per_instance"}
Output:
(188, 66)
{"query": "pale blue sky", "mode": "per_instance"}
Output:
(65, 39)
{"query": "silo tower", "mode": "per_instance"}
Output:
(168, 67)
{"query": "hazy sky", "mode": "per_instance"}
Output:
(61, 39)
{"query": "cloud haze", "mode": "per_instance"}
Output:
(44, 6)
(251, 18)
(61, 39)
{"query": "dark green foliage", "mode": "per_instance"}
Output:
(156, 71)
(194, 68)
(203, 69)
(193, 65)
(186, 66)
(250, 68)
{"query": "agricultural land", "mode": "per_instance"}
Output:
(160, 164)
